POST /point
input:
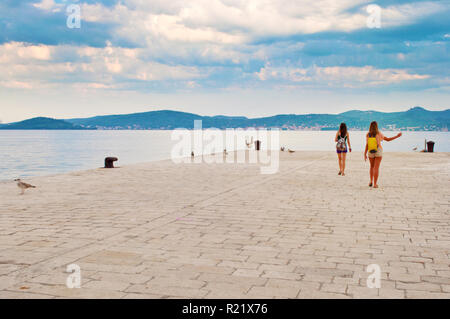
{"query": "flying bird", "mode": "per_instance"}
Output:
(23, 186)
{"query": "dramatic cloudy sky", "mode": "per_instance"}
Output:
(234, 57)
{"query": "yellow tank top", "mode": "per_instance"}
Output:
(372, 144)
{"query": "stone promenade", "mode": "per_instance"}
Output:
(165, 230)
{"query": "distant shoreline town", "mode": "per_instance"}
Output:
(414, 119)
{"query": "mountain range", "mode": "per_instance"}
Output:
(416, 118)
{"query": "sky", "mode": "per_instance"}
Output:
(228, 57)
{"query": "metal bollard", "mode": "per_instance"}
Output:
(109, 162)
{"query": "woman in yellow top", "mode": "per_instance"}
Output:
(373, 146)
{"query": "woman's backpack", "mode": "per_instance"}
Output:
(372, 144)
(340, 145)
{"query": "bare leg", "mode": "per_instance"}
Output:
(344, 156)
(372, 164)
(376, 171)
(340, 163)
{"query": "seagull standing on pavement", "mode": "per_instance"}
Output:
(23, 186)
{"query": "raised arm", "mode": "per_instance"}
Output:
(348, 141)
(388, 139)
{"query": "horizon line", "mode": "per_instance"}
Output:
(243, 116)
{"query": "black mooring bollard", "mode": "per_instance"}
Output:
(257, 145)
(109, 162)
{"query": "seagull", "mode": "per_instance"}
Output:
(192, 154)
(415, 148)
(23, 186)
(225, 152)
(291, 151)
(282, 149)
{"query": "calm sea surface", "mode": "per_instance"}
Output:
(33, 153)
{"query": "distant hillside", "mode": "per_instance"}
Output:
(40, 123)
(416, 119)
(147, 120)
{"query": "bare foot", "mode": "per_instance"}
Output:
(343, 174)
(370, 184)
(339, 173)
(375, 186)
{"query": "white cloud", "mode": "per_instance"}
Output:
(192, 35)
(336, 76)
(242, 21)
(405, 14)
(25, 66)
(34, 66)
(16, 85)
(225, 31)
(13, 50)
(45, 4)
(99, 13)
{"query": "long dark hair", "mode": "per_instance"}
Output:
(343, 130)
(373, 129)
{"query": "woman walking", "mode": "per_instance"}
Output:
(342, 139)
(373, 146)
